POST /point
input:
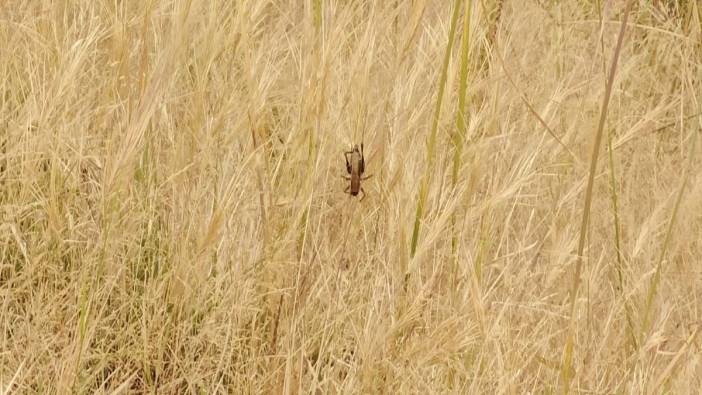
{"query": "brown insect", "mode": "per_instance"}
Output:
(355, 165)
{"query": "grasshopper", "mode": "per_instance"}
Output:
(355, 166)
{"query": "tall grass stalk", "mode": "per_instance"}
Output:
(431, 145)
(655, 280)
(317, 15)
(568, 354)
(617, 240)
(459, 136)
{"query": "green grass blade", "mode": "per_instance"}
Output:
(459, 135)
(426, 180)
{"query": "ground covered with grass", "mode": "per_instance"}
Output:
(173, 216)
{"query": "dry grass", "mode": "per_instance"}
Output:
(172, 216)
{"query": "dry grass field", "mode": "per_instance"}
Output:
(173, 217)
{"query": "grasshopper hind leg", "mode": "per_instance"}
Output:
(348, 164)
(363, 160)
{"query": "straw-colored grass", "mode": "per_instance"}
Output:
(172, 214)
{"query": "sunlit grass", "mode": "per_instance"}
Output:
(173, 216)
